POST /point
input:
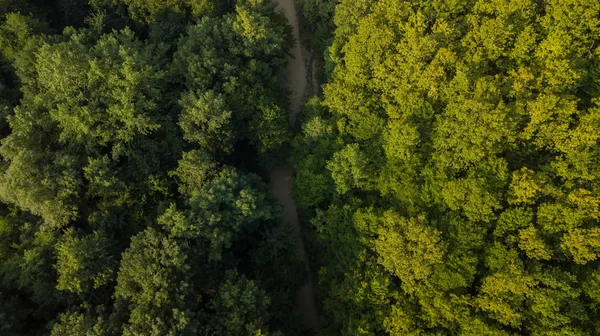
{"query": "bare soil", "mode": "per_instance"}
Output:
(296, 69)
(281, 177)
(281, 183)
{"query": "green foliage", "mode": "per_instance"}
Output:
(222, 211)
(240, 308)
(80, 323)
(350, 169)
(88, 110)
(154, 278)
(194, 170)
(127, 208)
(83, 262)
(7, 6)
(409, 249)
(150, 11)
(234, 58)
(469, 131)
(15, 32)
(27, 274)
(312, 149)
(317, 25)
(205, 121)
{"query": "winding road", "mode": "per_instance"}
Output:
(281, 177)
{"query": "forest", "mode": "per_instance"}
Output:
(445, 162)
(135, 136)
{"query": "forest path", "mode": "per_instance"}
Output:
(281, 177)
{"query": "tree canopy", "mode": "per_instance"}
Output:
(450, 168)
(131, 203)
(447, 177)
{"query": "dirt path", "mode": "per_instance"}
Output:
(296, 68)
(281, 177)
(281, 183)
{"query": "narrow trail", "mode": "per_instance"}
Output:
(296, 70)
(281, 177)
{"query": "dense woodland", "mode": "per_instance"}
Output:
(451, 170)
(135, 135)
(448, 176)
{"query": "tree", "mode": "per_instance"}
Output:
(205, 121)
(224, 210)
(230, 57)
(409, 249)
(312, 149)
(239, 309)
(155, 280)
(126, 207)
(84, 321)
(151, 11)
(84, 102)
(470, 130)
(84, 262)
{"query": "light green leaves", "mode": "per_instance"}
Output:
(84, 262)
(206, 121)
(409, 249)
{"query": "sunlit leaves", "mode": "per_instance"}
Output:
(476, 124)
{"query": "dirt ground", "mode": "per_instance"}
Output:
(281, 183)
(281, 177)
(296, 69)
